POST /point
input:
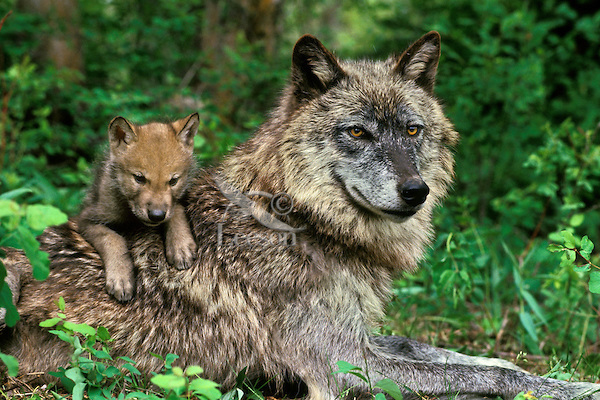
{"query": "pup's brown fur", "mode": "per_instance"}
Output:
(348, 170)
(143, 178)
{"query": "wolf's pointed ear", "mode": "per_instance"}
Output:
(419, 62)
(189, 130)
(120, 130)
(314, 68)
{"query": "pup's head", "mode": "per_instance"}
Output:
(151, 164)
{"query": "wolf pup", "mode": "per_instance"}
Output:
(363, 153)
(144, 176)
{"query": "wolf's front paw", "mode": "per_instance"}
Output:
(121, 286)
(181, 250)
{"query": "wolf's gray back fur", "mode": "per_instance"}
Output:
(362, 151)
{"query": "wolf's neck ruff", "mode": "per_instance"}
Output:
(362, 148)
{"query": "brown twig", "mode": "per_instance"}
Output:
(4, 19)
(500, 334)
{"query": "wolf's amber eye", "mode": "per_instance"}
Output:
(356, 132)
(174, 181)
(413, 130)
(139, 178)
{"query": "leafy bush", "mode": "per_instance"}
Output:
(95, 373)
(19, 225)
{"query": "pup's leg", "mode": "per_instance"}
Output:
(180, 245)
(120, 279)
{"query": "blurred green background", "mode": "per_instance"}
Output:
(520, 80)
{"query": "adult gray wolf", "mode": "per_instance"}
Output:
(349, 168)
(142, 179)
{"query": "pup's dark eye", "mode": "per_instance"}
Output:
(356, 132)
(139, 178)
(413, 130)
(174, 181)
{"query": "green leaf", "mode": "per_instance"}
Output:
(50, 322)
(169, 359)
(61, 304)
(576, 220)
(193, 370)
(84, 329)
(127, 359)
(14, 194)
(582, 268)
(12, 315)
(586, 247)
(101, 354)
(569, 239)
(39, 259)
(8, 208)
(11, 364)
(133, 370)
(78, 390)
(103, 334)
(39, 216)
(380, 396)
(447, 278)
(64, 336)
(464, 275)
(347, 368)
(595, 282)
(390, 387)
(95, 393)
(554, 248)
(235, 394)
(75, 375)
(112, 371)
(205, 388)
(169, 382)
(528, 324)
(568, 258)
(532, 302)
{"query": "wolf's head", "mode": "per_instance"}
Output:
(362, 145)
(151, 164)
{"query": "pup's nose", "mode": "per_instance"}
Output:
(414, 192)
(156, 215)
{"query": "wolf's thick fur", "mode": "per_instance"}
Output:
(144, 176)
(362, 151)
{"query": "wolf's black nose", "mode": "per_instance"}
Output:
(156, 215)
(414, 192)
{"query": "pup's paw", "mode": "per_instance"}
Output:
(181, 250)
(121, 286)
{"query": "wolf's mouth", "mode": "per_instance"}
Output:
(397, 215)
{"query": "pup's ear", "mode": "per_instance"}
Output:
(314, 68)
(419, 62)
(120, 131)
(189, 130)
